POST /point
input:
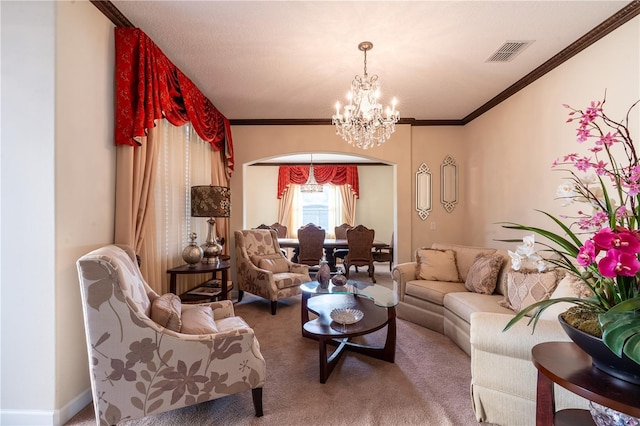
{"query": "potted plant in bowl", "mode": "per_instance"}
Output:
(601, 245)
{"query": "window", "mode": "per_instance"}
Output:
(321, 208)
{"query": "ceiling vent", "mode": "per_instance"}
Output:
(509, 50)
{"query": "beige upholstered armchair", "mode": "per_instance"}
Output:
(149, 353)
(263, 270)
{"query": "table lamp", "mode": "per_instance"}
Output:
(211, 201)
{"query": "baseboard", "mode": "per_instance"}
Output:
(46, 418)
(74, 406)
(27, 417)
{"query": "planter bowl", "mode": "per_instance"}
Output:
(602, 357)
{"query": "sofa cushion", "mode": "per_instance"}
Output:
(569, 286)
(198, 319)
(464, 303)
(437, 265)
(527, 287)
(483, 274)
(432, 291)
(465, 256)
(165, 311)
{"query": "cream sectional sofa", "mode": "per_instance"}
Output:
(503, 384)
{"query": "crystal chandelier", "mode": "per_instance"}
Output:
(311, 185)
(362, 123)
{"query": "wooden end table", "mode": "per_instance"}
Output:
(202, 268)
(569, 366)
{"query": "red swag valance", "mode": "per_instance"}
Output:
(149, 87)
(337, 175)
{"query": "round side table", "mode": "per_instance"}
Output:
(569, 366)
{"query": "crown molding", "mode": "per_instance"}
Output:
(618, 19)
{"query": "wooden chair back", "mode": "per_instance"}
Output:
(311, 238)
(360, 243)
(281, 230)
(341, 231)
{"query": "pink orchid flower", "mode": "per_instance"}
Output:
(587, 254)
(622, 240)
(617, 263)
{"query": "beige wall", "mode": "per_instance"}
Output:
(57, 199)
(510, 148)
(375, 205)
(85, 175)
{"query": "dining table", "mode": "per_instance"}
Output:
(329, 245)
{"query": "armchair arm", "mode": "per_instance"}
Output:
(401, 274)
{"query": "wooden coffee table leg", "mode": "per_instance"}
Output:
(328, 363)
(304, 313)
(390, 343)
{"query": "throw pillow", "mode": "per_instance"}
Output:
(527, 287)
(437, 265)
(275, 265)
(165, 311)
(569, 286)
(483, 274)
(198, 319)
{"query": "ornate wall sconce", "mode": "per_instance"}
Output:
(449, 183)
(423, 191)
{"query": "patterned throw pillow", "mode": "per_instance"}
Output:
(569, 286)
(198, 320)
(165, 311)
(527, 287)
(437, 265)
(275, 265)
(483, 274)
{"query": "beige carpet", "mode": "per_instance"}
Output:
(427, 385)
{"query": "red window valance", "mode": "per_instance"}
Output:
(335, 174)
(149, 87)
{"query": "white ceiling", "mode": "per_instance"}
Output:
(295, 59)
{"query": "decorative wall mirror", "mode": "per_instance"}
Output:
(423, 191)
(449, 183)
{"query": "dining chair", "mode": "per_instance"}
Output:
(341, 234)
(360, 243)
(311, 238)
(281, 230)
(384, 254)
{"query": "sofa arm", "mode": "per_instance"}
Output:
(402, 273)
(486, 334)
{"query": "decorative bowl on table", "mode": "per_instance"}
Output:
(339, 280)
(346, 316)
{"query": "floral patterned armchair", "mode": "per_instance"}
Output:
(138, 367)
(263, 270)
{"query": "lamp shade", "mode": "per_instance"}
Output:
(210, 201)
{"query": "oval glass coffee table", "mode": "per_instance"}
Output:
(376, 302)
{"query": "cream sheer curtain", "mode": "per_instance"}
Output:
(284, 209)
(291, 201)
(349, 201)
(181, 160)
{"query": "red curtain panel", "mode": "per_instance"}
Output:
(335, 174)
(149, 87)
